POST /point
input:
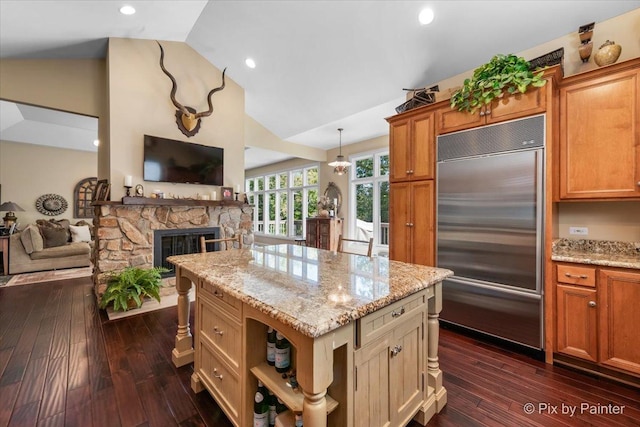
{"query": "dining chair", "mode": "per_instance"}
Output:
(230, 242)
(348, 248)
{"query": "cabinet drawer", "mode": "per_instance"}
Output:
(576, 275)
(223, 300)
(221, 332)
(380, 322)
(223, 384)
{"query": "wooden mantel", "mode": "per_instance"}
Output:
(172, 202)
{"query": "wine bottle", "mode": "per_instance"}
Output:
(272, 409)
(271, 346)
(280, 406)
(261, 407)
(283, 353)
(298, 420)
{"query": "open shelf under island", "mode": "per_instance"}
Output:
(354, 323)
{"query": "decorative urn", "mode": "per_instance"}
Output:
(608, 53)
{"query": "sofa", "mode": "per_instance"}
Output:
(50, 245)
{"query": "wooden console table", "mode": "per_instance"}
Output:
(4, 248)
(342, 313)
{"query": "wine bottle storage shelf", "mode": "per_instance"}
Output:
(291, 398)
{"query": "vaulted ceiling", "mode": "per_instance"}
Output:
(320, 64)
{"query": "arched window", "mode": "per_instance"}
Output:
(82, 196)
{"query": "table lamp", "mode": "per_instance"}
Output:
(10, 217)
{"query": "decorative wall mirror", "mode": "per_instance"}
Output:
(333, 192)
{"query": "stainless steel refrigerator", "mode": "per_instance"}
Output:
(490, 221)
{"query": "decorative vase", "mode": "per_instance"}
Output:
(608, 54)
(585, 51)
(323, 213)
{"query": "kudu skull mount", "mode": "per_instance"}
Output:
(187, 119)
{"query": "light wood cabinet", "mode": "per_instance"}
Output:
(323, 233)
(597, 316)
(600, 134)
(508, 107)
(619, 302)
(218, 356)
(389, 370)
(412, 222)
(412, 146)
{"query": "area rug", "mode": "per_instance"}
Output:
(48, 276)
(148, 305)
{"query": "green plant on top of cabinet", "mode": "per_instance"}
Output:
(600, 134)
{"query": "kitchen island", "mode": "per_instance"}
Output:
(363, 333)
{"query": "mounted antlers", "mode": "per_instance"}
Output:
(187, 119)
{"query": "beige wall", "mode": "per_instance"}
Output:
(139, 104)
(28, 171)
(605, 220)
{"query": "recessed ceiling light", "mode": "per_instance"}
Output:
(250, 63)
(426, 16)
(127, 10)
(96, 142)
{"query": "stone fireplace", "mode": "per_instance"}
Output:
(125, 233)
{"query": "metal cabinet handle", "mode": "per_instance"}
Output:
(218, 294)
(408, 224)
(638, 183)
(395, 350)
(592, 303)
(215, 374)
(397, 313)
(217, 331)
(574, 276)
(481, 113)
(487, 112)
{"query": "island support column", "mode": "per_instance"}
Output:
(434, 374)
(183, 352)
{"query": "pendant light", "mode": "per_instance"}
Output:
(340, 165)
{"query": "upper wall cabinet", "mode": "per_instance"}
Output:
(411, 146)
(600, 134)
(508, 107)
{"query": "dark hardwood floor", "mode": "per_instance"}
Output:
(62, 363)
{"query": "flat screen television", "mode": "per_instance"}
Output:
(168, 160)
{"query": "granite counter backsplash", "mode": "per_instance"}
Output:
(597, 252)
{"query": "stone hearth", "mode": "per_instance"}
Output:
(124, 234)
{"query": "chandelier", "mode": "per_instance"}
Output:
(340, 165)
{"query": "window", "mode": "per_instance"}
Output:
(370, 197)
(283, 200)
(82, 197)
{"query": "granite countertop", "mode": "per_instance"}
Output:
(597, 252)
(314, 291)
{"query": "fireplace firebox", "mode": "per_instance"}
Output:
(179, 242)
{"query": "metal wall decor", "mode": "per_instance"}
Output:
(51, 204)
(187, 119)
(422, 96)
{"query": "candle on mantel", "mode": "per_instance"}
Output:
(214, 195)
(128, 181)
(237, 188)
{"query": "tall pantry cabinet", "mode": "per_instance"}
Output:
(412, 189)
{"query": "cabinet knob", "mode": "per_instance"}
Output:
(215, 374)
(408, 224)
(592, 303)
(481, 113)
(218, 294)
(397, 313)
(487, 112)
(217, 331)
(395, 350)
(638, 183)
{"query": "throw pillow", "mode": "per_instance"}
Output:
(32, 239)
(90, 225)
(80, 233)
(62, 224)
(54, 236)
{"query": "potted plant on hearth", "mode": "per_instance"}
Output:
(503, 74)
(127, 289)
